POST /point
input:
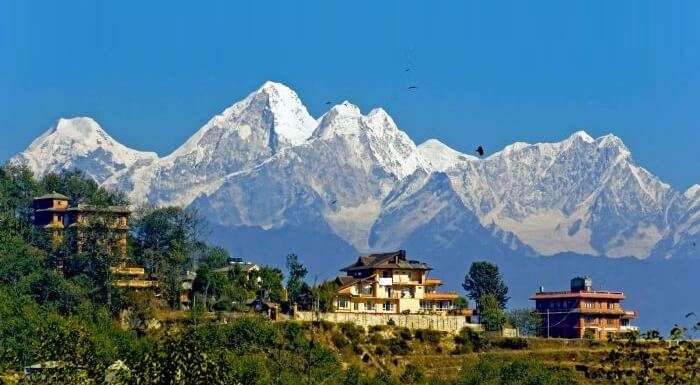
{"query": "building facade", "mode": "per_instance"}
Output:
(389, 283)
(54, 213)
(582, 312)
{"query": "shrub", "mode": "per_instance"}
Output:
(351, 331)
(377, 328)
(357, 349)
(381, 350)
(492, 370)
(469, 340)
(376, 338)
(398, 346)
(589, 334)
(391, 322)
(427, 335)
(405, 334)
(340, 341)
(412, 375)
(515, 343)
(323, 325)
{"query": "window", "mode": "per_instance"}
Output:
(387, 306)
(342, 303)
(355, 306)
(369, 305)
(386, 274)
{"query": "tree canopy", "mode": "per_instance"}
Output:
(484, 278)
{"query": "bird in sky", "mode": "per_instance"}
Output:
(407, 69)
(480, 151)
(329, 103)
(412, 88)
(690, 314)
(333, 203)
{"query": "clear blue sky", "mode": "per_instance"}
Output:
(488, 72)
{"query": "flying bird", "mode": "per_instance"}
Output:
(407, 69)
(412, 88)
(480, 151)
(329, 103)
(689, 314)
(333, 203)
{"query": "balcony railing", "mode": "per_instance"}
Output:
(135, 283)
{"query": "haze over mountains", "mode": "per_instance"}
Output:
(272, 179)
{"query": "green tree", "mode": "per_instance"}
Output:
(166, 241)
(295, 282)
(81, 189)
(484, 278)
(325, 293)
(210, 282)
(270, 283)
(461, 303)
(491, 315)
(527, 321)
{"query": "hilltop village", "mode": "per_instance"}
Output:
(377, 289)
(93, 290)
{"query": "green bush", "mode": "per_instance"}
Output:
(469, 340)
(323, 325)
(405, 334)
(398, 346)
(381, 350)
(340, 341)
(377, 328)
(515, 343)
(496, 370)
(353, 332)
(412, 374)
(428, 335)
(376, 338)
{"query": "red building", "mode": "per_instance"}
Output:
(582, 311)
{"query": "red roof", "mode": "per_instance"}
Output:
(579, 294)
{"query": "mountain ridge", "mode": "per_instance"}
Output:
(266, 162)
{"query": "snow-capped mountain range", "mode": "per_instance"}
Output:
(265, 164)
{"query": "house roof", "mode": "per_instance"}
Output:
(547, 295)
(52, 195)
(392, 260)
(344, 281)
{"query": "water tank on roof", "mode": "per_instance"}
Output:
(581, 284)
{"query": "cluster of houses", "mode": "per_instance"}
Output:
(376, 285)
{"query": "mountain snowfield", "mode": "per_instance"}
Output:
(265, 164)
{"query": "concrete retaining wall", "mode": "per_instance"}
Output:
(447, 323)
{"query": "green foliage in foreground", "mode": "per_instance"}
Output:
(58, 307)
(496, 371)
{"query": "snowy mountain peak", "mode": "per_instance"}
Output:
(273, 115)
(342, 119)
(693, 194)
(78, 128)
(581, 135)
(80, 143)
(439, 156)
